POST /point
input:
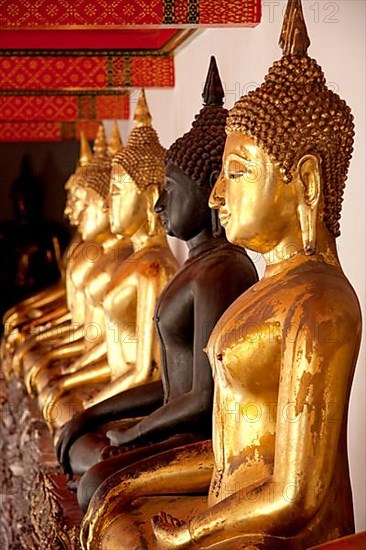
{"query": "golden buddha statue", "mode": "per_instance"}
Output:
(114, 250)
(93, 222)
(132, 354)
(283, 355)
(90, 190)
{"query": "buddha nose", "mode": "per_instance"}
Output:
(217, 197)
(160, 203)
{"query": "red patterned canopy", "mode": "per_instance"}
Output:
(127, 13)
(65, 61)
(46, 131)
(66, 107)
(70, 73)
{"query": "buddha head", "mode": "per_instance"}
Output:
(192, 165)
(94, 178)
(289, 143)
(137, 177)
(75, 193)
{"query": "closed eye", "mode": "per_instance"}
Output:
(235, 174)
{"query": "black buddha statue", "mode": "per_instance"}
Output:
(177, 410)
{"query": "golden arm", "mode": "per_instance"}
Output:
(87, 361)
(143, 336)
(49, 399)
(30, 376)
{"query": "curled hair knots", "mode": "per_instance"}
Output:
(199, 152)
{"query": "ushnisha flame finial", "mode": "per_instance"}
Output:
(213, 92)
(100, 143)
(294, 39)
(142, 115)
(115, 143)
(198, 153)
(85, 150)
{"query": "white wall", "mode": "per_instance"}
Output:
(336, 30)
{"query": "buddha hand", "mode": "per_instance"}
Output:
(171, 532)
(123, 437)
(75, 428)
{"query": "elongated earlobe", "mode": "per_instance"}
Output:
(152, 195)
(309, 180)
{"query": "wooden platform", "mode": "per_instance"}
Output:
(354, 542)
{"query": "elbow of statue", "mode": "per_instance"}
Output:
(10, 317)
(296, 506)
(51, 411)
(10, 321)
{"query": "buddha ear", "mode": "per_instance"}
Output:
(309, 192)
(309, 172)
(152, 195)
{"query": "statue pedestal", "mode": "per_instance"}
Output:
(354, 542)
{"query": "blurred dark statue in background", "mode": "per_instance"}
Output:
(30, 245)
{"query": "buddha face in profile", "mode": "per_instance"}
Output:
(288, 148)
(182, 205)
(93, 218)
(256, 206)
(76, 203)
(128, 204)
(192, 164)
